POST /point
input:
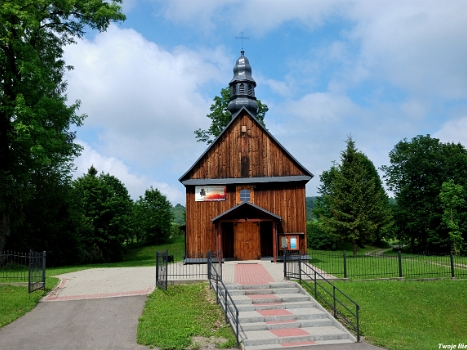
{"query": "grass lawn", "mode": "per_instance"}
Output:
(387, 265)
(171, 318)
(15, 300)
(394, 315)
(411, 314)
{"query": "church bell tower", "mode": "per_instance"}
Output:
(242, 88)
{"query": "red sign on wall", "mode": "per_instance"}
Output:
(210, 193)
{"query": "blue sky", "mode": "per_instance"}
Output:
(380, 71)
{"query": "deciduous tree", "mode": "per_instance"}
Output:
(35, 118)
(155, 216)
(220, 117)
(416, 174)
(452, 199)
(105, 207)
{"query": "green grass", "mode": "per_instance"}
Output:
(411, 314)
(171, 318)
(146, 256)
(387, 266)
(15, 300)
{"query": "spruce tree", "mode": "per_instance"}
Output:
(355, 200)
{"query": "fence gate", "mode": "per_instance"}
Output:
(161, 269)
(36, 275)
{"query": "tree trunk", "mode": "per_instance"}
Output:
(354, 247)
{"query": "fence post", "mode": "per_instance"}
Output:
(315, 284)
(44, 254)
(157, 266)
(345, 264)
(334, 297)
(219, 256)
(29, 270)
(399, 258)
(225, 305)
(300, 268)
(209, 265)
(358, 323)
(452, 264)
(285, 265)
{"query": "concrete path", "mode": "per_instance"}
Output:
(104, 283)
(109, 323)
(99, 309)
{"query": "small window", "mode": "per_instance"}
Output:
(245, 195)
(242, 89)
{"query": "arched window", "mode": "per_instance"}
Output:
(242, 89)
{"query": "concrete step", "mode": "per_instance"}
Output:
(271, 285)
(293, 335)
(280, 315)
(263, 291)
(269, 298)
(299, 344)
(260, 326)
(275, 306)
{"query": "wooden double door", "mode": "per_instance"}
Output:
(247, 245)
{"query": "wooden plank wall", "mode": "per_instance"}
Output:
(288, 201)
(284, 199)
(200, 231)
(253, 149)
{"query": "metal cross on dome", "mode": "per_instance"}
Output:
(242, 38)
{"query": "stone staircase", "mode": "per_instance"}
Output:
(283, 314)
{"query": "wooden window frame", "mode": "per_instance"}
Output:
(245, 187)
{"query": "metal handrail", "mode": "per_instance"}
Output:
(335, 300)
(228, 302)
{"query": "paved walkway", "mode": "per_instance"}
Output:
(104, 283)
(99, 308)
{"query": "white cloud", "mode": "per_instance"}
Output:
(148, 101)
(259, 16)
(135, 184)
(418, 46)
(453, 131)
(322, 107)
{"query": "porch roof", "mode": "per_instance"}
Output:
(245, 210)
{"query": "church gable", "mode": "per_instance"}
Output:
(245, 149)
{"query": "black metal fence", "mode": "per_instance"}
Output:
(332, 298)
(25, 268)
(179, 267)
(36, 279)
(161, 269)
(223, 296)
(389, 265)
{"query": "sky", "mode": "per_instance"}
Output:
(378, 71)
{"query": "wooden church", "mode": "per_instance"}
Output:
(245, 195)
